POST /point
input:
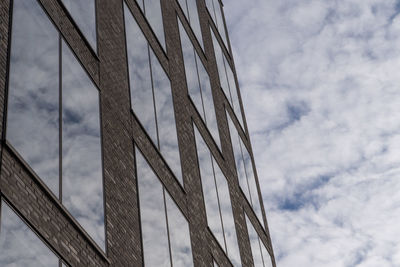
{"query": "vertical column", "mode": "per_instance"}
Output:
(122, 214)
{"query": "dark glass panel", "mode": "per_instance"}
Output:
(84, 14)
(82, 178)
(252, 184)
(209, 189)
(232, 246)
(208, 101)
(194, 20)
(152, 215)
(192, 78)
(179, 235)
(255, 245)
(167, 134)
(139, 75)
(154, 16)
(33, 114)
(19, 246)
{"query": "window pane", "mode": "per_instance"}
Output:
(240, 168)
(210, 7)
(19, 246)
(209, 189)
(208, 102)
(220, 21)
(265, 255)
(82, 179)
(194, 20)
(140, 2)
(183, 5)
(227, 216)
(168, 139)
(33, 115)
(252, 184)
(84, 14)
(152, 215)
(255, 245)
(234, 94)
(179, 235)
(215, 264)
(154, 16)
(221, 67)
(192, 79)
(139, 75)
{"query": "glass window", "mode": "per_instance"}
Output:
(189, 7)
(19, 246)
(153, 13)
(245, 170)
(217, 201)
(34, 93)
(215, 264)
(215, 9)
(255, 244)
(227, 79)
(151, 94)
(82, 179)
(152, 215)
(225, 204)
(33, 115)
(165, 231)
(140, 75)
(198, 83)
(179, 235)
(265, 254)
(84, 14)
(167, 135)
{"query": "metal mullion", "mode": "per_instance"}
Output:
(219, 204)
(154, 96)
(167, 224)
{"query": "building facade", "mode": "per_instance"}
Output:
(124, 141)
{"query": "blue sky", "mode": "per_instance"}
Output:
(321, 91)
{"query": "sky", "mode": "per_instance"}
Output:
(320, 89)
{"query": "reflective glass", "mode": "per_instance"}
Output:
(208, 101)
(210, 7)
(192, 78)
(209, 189)
(139, 75)
(168, 139)
(33, 114)
(215, 264)
(19, 246)
(152, 215)
(266, 257)
(240, 168)
(82, 178)
(227, 216)
(234, 92)
(220, 21)
(140, 3)
(183, 5)
(152, 10)
(179, 235)
(255, 200)
(84, 14)
(221, 66)
(194, 20)
(255, 245)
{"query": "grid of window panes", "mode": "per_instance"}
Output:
(198, 83)
(245, 172)
(217, 201)
(165, 231)
(53, 118)
(19, 245)
(152, 11)
(260, 253)
(84, 14)
(189, 8)
(227, 79)
(151, 95)
(215, 9)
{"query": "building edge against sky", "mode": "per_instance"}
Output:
(124, 141)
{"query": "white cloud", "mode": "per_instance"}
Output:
(320, 87)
